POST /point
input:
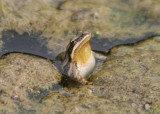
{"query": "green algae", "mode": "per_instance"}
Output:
(156, 108)
(125, 81)
(131, 72)
(25, 79)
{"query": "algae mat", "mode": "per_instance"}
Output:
(126, 80)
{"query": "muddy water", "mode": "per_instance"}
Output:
(126, 77)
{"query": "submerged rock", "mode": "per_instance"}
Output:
(23, 80)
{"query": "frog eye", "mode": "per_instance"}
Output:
(72, 42)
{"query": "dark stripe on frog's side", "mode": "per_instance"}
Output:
(66, 68)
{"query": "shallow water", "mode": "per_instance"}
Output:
(13, 42)
(110, 23)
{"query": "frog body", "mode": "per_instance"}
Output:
(79, 60)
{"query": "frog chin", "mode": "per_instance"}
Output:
(87, 69)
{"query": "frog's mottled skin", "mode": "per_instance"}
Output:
(79, 60)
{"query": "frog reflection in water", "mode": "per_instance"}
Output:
(79, 60)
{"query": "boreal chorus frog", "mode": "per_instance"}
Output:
(79, 60)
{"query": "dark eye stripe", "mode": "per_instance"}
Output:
(73, 43)
(79, 38)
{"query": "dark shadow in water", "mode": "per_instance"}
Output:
(13, 42)
(104, 45)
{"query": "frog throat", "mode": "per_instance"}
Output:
(82, 55)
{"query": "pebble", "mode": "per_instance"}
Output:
(147, 106)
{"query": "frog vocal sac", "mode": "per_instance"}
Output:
(79, 60)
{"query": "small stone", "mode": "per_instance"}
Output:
(140, 48)
(147, 106)
(98, 33)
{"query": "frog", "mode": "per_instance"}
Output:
(79, 60)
